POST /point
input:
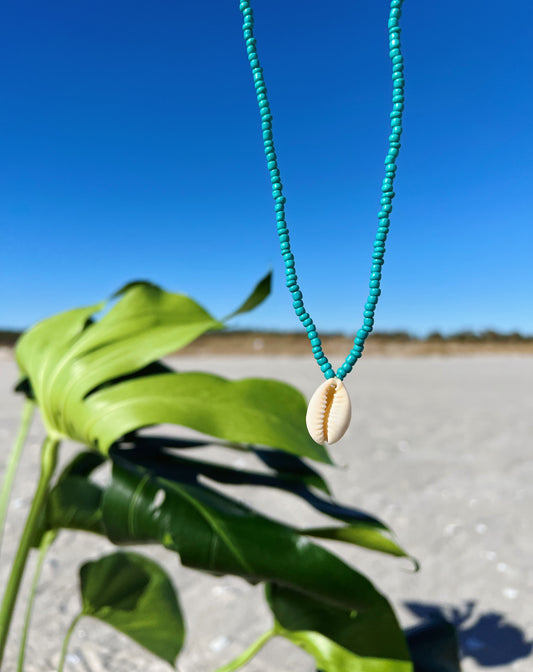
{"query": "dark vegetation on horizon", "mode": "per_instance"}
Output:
(8, 337)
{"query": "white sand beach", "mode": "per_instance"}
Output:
(440, 448)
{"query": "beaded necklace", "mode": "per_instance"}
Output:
(329, 411)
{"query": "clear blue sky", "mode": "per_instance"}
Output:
(130, 148)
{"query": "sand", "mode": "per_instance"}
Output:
(440, 448)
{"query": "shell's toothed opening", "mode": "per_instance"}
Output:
(330, 394)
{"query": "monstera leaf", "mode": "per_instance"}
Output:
(135, 596)
(165, 501)
(96, 378)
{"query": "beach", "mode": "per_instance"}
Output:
(439, 448)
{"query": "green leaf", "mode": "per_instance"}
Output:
(340, 639)
(257, 411)
(135, 596)
(216, 534)
(258, 295)
(362, 534)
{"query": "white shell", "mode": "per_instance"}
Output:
(329, 412)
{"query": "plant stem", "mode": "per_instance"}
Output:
(48, 463)
(46, 542)
(66, 642)
(14, 459)
(250, 652)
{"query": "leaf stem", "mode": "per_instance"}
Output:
(45, 544)
(14, 459)
(66, 642)
(250, 652)
(48, 464)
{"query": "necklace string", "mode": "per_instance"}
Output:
(387, 190)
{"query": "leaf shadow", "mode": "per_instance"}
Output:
(287, 472)
(488, 637)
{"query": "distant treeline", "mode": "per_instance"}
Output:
(9, 337)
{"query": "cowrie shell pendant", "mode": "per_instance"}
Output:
(329, 412)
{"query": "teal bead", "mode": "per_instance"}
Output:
(387, 190)
(340, 374)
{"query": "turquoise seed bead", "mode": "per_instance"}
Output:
(387, 191)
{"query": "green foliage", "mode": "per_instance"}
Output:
(96, 377)
(135, 596)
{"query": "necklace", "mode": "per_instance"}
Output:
(329, 411)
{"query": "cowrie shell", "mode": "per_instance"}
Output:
(329, 412)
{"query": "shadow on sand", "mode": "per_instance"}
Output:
(487, 638)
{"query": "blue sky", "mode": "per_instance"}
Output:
(131, 149)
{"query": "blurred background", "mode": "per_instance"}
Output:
(131, 148)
